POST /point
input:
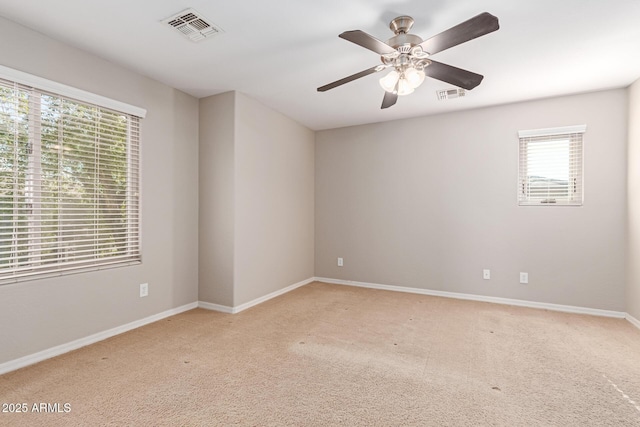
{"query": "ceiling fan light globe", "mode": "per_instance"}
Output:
(389, 81)
(404, 87)
(414, 77)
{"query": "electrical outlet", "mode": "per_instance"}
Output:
(486, 274)
(340, 262)
(144, 289)
(524, 278)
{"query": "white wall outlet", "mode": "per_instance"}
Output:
(144, 289)
(486, 274)
(524, 278)
(340, 262)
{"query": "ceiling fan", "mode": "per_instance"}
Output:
(408, 56)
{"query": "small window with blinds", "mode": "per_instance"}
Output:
(550, 167)
(69, 185)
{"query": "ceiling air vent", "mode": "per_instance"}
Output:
(192, 25)
(450, 93)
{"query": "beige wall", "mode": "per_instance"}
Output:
(274, 201)
(256, 200)
(633, 195)
(430, 202)
(217, 199)
(41, 314)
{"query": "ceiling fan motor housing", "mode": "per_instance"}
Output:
(405, 55)
(403, 43)
(404, 39)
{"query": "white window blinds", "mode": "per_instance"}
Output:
(69, 184)
(550, 166)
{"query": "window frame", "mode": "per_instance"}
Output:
(575, 134)
(39, 87)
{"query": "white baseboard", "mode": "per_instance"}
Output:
(246, 305)
(267, 297)
(13, 365)
(215, 307)
(495, 300)
(635, 322)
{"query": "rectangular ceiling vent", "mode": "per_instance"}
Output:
(450, 93)
(192, 25)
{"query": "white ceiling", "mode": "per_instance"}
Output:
(280, 51)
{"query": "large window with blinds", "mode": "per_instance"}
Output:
(69, 184)
(550, 167)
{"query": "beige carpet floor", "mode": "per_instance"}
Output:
(327, 355)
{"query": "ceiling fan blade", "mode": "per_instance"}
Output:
(455, 76)
(367, 41)
(389, 100)
(477, 26)
(350, 78)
